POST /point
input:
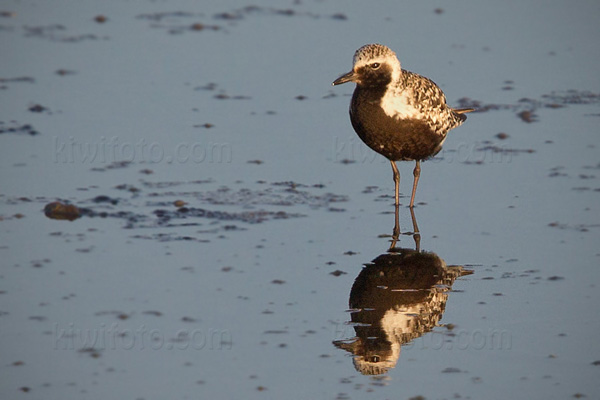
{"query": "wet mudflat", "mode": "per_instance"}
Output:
(186, 212)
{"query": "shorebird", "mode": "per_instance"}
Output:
(399, 114)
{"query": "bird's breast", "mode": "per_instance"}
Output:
(396, 137)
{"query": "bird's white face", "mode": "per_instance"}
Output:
(371, 53)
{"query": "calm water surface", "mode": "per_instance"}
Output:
(276, 278)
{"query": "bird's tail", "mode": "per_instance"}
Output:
(460, 113)
(463, 110)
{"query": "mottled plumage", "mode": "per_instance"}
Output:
(399, 114)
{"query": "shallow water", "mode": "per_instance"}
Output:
(245, 290)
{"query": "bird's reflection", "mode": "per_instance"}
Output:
(398, 297)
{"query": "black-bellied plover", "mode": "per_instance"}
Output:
(399, 114)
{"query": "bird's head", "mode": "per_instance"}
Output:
(373, 65)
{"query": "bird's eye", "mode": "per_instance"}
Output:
(374, 65)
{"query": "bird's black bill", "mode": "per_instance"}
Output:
(349, 77)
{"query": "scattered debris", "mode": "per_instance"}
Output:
(61, 211)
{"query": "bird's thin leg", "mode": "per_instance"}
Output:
(396, 231)
(396, 182)
(416, 174)
(416, 233)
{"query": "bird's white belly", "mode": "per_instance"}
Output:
(396, 105)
